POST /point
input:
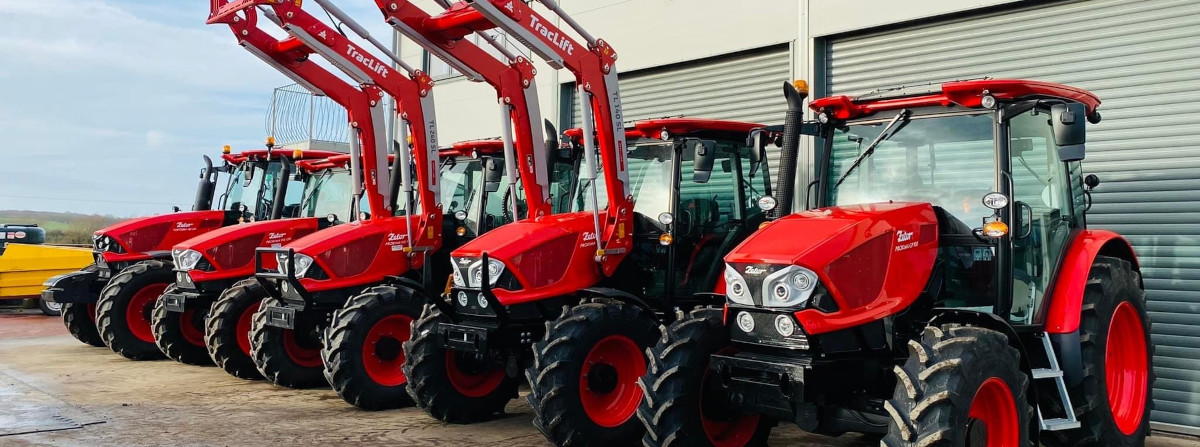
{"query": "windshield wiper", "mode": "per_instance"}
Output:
(892, 128)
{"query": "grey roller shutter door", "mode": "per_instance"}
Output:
(1143, 59)
(745, 86)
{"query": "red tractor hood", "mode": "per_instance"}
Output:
(550, 256)
(873, 258)
(230, 250)
(161, 232)
(361, 253)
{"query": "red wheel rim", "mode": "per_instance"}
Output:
(191, 328)
(382, 354)
(995, 407)
(91, 311)
(302, 356)
(608, 381)
(243, 327)
(727, 433)
(472, 383)
(137, 315)
(1126, 368)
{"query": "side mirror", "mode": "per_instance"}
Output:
(1070, 131)
(1091, 181)
(706, 153)
(493, 171)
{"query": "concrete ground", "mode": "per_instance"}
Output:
(92, 397)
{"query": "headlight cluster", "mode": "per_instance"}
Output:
(469, 273)
(300, 261)
(105, 243)
(186, 259)
(789, 286)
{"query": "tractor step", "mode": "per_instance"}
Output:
(1055, 373)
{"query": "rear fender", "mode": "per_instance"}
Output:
(1064, 308)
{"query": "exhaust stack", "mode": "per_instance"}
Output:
(792, 123)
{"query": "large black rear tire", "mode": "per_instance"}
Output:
(961, 386)
(227, 329)
(583, 382)
(450, 386)
(681, 407)
(80, 320)
(180, 335)
(363, 347)
(125, 306)
(286, 357)
(1113, 301)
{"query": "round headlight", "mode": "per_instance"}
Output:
(781, 292)
(987, 101)
(823, 118)
(737, 288)
(460, 215)
(463, 300)
(802, 281)
(482, 301)
(767, 203)
(495, 268)
(745, 322)
(785, 326)
(458, 280)
(666, 218)
(664, 135)
(995, 200)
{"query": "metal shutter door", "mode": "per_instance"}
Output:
(1142, 59)
(746, 86)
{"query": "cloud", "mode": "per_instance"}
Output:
(155, 139)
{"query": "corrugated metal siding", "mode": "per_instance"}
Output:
(1142, 58)
(746, 86)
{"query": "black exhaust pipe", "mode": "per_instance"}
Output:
(281, 184)
(792, 123)
(394, 185)
(207, 187)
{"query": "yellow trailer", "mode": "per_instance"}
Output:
(24, 267)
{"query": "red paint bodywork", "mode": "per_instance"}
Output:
(387, 259)
(158, 233)
(230, 238)
(820, 239)
(1066, 299)
(965, 93)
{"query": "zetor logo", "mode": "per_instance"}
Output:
(554, 37)
(369, 62)
(185, 225)
(276, 235)
(396, 237)
(752, 270)
(589, 236)
(903, 236)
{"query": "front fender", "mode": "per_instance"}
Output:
(1064, 308)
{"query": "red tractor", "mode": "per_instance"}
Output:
(284, 355)
(941, 289)
(316, 196)
(110, 302)
(574, 298)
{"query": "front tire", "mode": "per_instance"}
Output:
(583, 382)
(285, 357)
(181, 335)
(50, 309)
(683, 408)
(363, 347)
(227, 329)
(452, 386)
(961, 386)
(123, 312)
(80, 320)
(1113, 401)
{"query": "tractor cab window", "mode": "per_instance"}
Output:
(329, 192)
(947, 161)
(246, 187)
(564, 175)
(498, 210)
(1043, 196)
(463, 190)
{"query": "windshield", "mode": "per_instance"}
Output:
(329, 192)
(947, 161)
(250, 193)
(650, 181)
(461, 179)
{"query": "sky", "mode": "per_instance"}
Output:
(106, 106)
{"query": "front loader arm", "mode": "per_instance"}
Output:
(514, 84)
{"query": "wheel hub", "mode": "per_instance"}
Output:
(602, 378)
(387, 348)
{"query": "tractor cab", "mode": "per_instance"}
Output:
(1015, 143)
(697, 184)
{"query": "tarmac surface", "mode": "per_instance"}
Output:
(55, 391)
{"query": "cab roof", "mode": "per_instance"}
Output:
(264, 154)
(653, 128)
(961, 93)
(468, 148)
